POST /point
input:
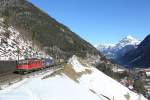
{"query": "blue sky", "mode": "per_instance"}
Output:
(101, 21)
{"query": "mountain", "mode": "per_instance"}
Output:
(13, 46)
(139, 57)
(128, 40)
(43, 31)
(27, 32)
(116, 51)
(77, 80)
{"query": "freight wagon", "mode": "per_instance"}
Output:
(48, 62)
(25, 66)
(33, 65)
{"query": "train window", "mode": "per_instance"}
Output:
(33, 61)
(23, 62)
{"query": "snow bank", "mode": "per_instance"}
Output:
(91, 86)
(54, 88)
(102, 84)
(76, 64)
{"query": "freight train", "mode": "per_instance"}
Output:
(25, 66)
(29, 65)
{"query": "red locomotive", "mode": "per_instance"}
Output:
(30, 65)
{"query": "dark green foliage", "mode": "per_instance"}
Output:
(139, 86)
(107, 69)
(6, 21)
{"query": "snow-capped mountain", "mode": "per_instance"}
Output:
(128, 40)
(117, 50)
(103, 47)
(139, 57)
(77, 80)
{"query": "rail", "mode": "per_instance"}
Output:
(43, 70)
(6, 79)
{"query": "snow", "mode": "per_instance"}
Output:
(116, 50)
(92, 86)
(76, 65)
(104, 85)
(116, 69)
(12, 41)
(130, 37)
(128, 40)
(148, 74)
(54, 88)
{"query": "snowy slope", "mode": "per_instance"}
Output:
(14, 45)
(60, 85)
(54, 88)
(102, 84)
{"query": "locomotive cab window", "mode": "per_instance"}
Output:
(23, 62)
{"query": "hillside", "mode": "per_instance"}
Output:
(76, 80)
(14, 46)
(117, 51)
(43, 31)
(140, 56)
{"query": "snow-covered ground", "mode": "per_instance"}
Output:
(54, 88)
(102, 84)
(13, 44)
(93, 85)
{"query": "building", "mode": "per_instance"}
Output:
(147, 72)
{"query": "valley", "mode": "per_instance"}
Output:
(43, 59)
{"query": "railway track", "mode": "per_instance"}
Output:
(9, 78)
(55, 67)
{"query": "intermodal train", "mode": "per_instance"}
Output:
(30, 65)
(24, 66)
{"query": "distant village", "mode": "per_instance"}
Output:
(142, 74)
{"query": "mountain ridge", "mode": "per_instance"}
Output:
(36, 25)
(116, 51)
(140, 56)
